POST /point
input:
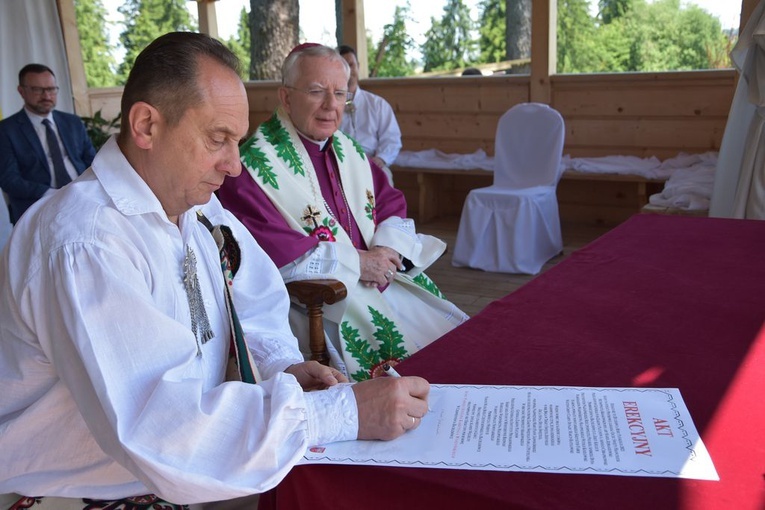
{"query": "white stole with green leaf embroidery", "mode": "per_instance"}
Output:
(278, 162)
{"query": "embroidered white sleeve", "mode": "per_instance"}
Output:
(399, 234)
(335, 409)
(327, 260)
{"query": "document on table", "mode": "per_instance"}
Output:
(607, 431)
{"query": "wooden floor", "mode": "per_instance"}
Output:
(471, 289)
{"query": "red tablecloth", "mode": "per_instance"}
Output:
(660, 301)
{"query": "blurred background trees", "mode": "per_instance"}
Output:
(608, 36)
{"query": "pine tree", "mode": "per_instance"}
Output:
(611, 10)
(389, 57)
(576, 37)
(434, 50)
(94, 43)
(450, 42)
(145, 20)
(239, 44)
(492, 27)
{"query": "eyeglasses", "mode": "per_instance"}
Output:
(318, 94)
(42, 90)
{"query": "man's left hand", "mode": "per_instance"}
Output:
(312, 375)
(379, 161)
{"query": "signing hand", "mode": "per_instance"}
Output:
(389, 406)
(312, 375)
(379, 265)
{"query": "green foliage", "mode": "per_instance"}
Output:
(634, 35)
(389, 55)
(100, 129)
(577, 49)
(94, 43)
(491, 28)
(611, 10)
(449, 42)
(145, 20)
(239, 44)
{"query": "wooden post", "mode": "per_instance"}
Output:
(68, 20)
(354, 32)
(544, 21)
(208, 20)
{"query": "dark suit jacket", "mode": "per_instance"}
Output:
(24, 170)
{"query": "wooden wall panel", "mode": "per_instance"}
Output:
(106, 100)
(696, 135)
(470, 126)
(458, 146)
(488, 94)
(688, 101)
(644, 114)
(641, 114)
(652, 114)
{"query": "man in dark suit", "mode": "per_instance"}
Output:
(40, 149)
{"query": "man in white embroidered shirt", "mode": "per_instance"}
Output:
(370, 120)
(114, 331)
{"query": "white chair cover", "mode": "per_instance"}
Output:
(513, 226)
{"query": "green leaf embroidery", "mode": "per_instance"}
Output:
(338, 149)
(277, 135)
(390, 340)
(357, 147)
(359, 349)
(426, 283)
(391, 344)
(255, 158)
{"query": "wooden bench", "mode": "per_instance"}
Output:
(601, 198)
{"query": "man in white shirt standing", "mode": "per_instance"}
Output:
(116, 330)
(370, 119)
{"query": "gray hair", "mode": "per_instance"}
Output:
(291, 65)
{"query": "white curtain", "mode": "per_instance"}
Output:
(739, 189)
(30, 32)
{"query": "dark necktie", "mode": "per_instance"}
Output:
(59, 170)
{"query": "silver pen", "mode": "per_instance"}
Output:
(391, 372)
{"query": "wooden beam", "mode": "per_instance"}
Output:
(77, 76)
(208, 19)
(354, 32)
(544, 20)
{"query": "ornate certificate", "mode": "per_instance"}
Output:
(607, 431)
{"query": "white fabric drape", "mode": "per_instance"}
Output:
(30, 32)
(739, 189)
